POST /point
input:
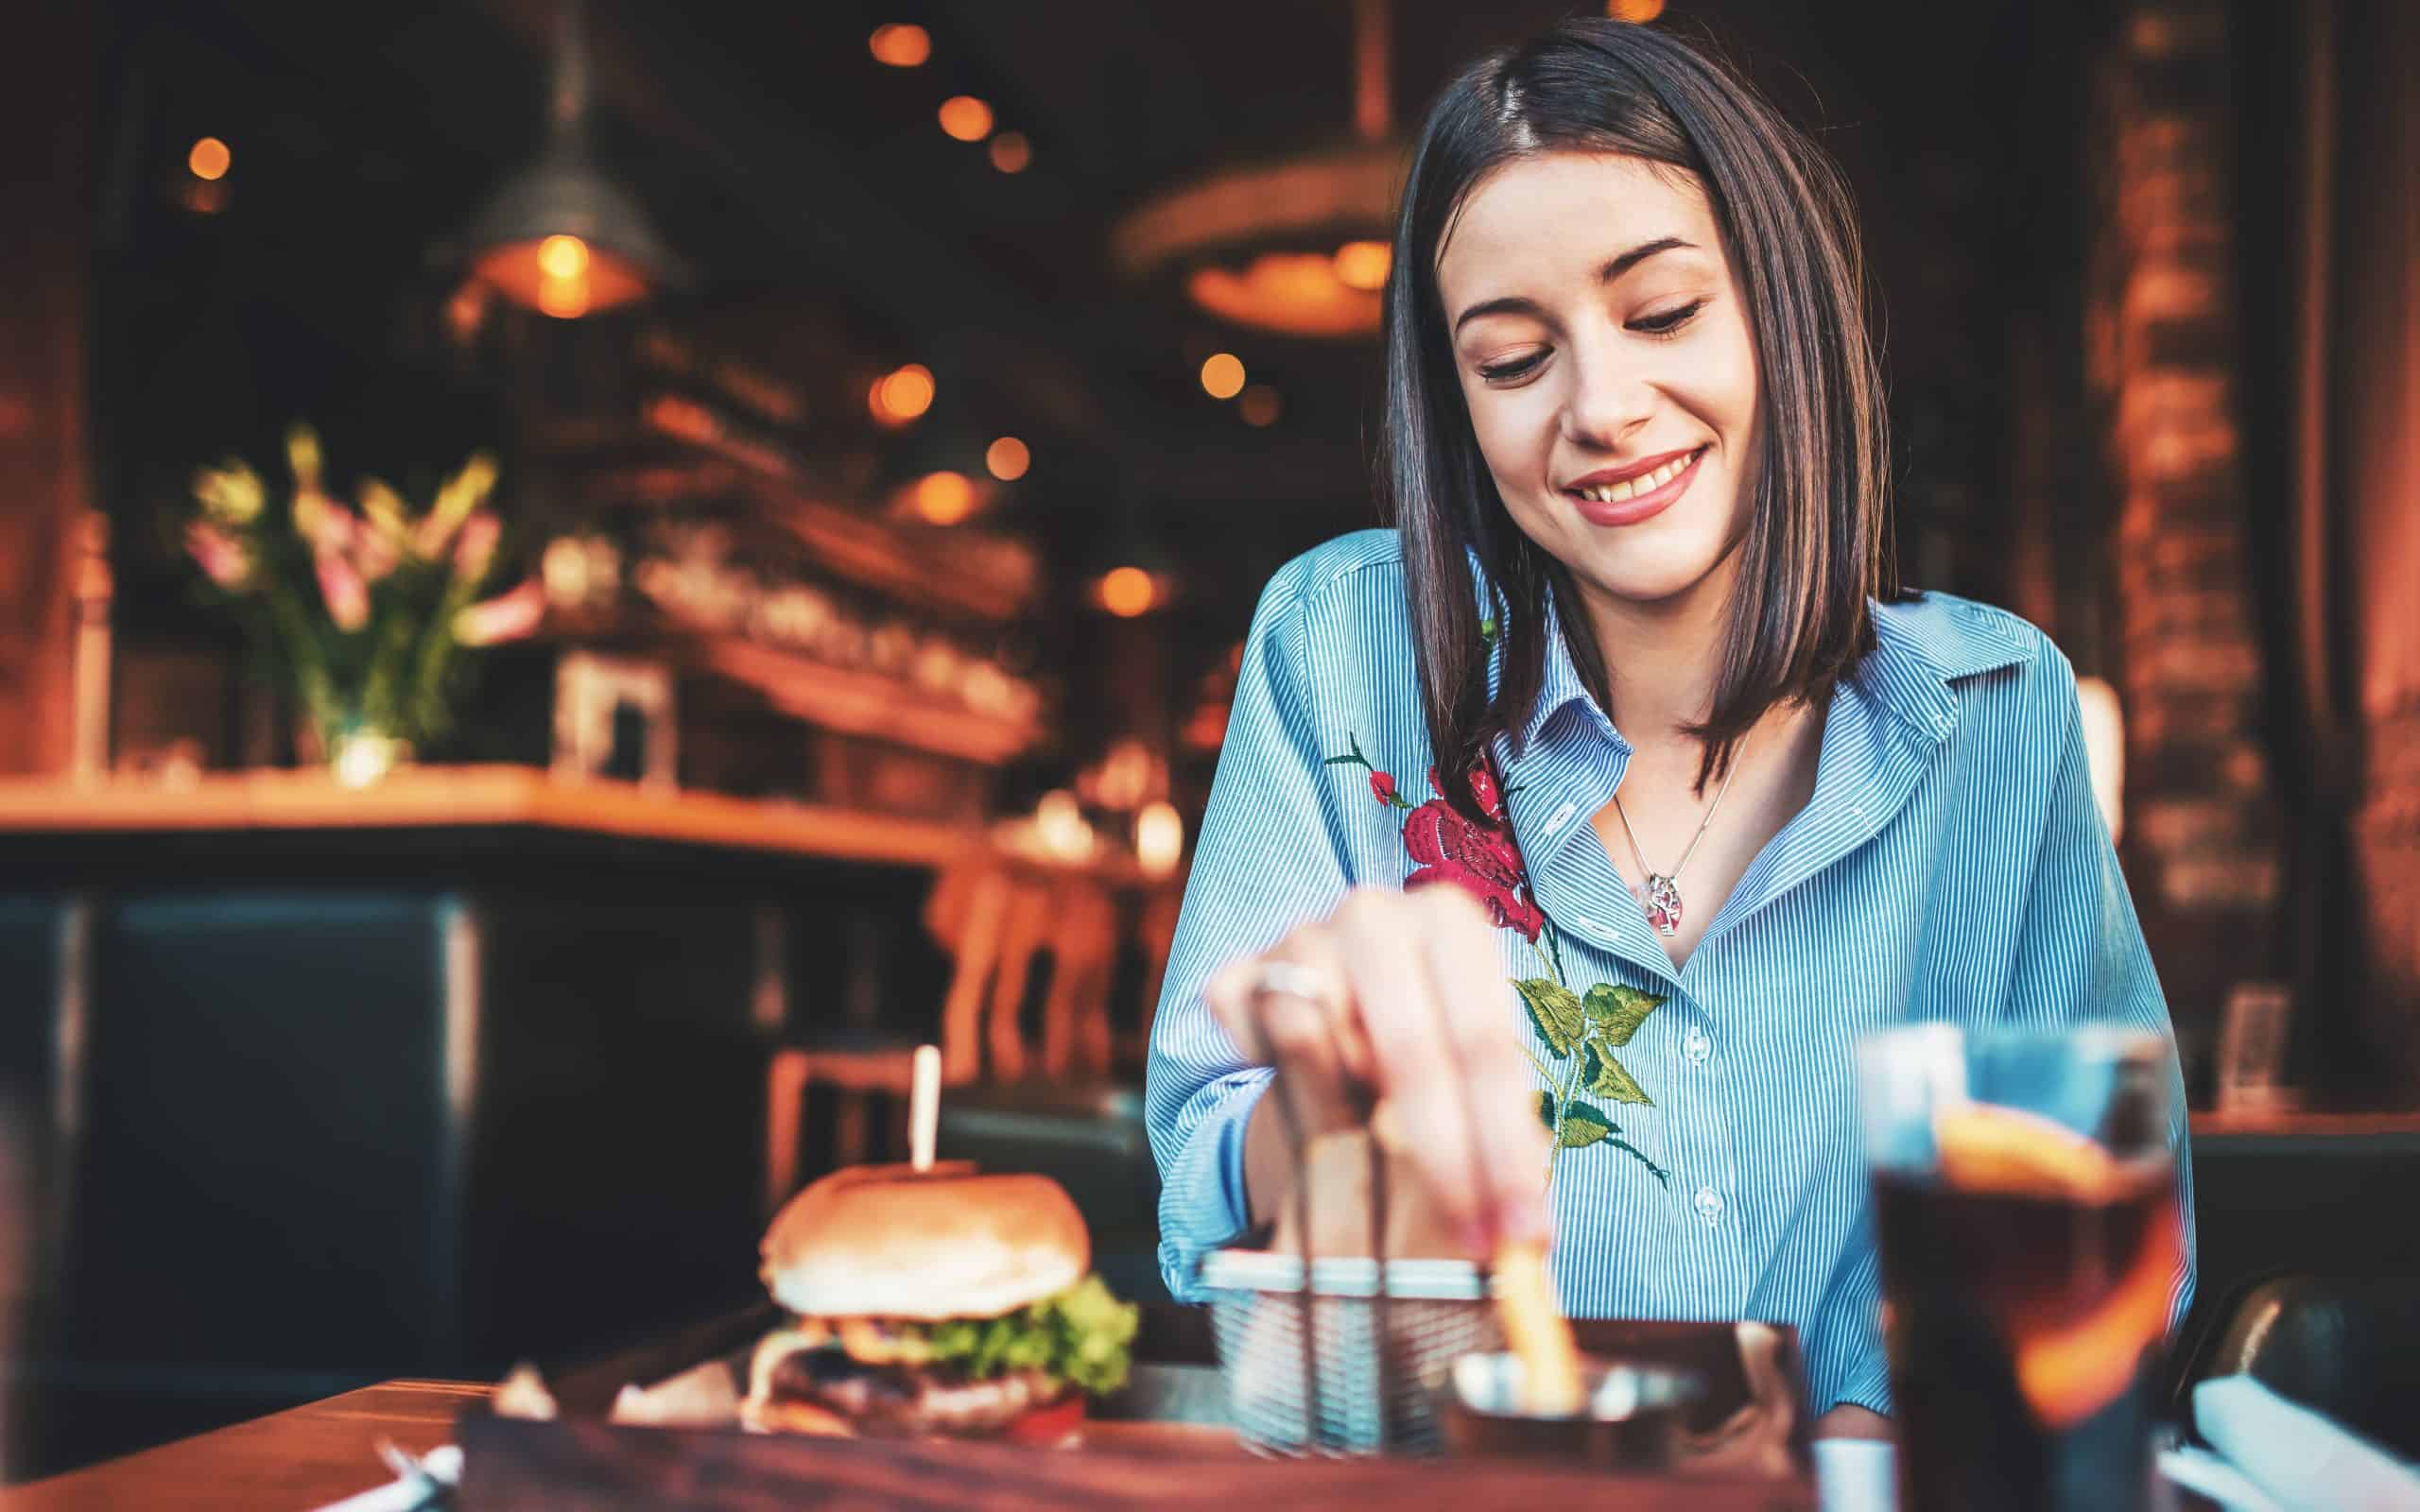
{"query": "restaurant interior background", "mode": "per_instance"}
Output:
(889, 446)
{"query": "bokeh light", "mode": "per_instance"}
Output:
(1127, 591)
(210, 159)
(1007, 458)
(1364, 265)
(1222, 376)
(900, 45)
(945, 498)
(966, 118)
(902, 395)
(1011, 152)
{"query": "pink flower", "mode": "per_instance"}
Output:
(223, 558)
(506, 617)
(375, 553)
(1382, 787)
(475, 548)
(341, 585)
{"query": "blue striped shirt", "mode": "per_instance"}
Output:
(1950, 866)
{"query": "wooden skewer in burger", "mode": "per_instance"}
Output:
(928, 1298)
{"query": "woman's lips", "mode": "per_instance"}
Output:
(1641, 506)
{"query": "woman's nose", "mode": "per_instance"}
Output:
(1609, 399)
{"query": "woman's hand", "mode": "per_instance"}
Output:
(1393, 1011)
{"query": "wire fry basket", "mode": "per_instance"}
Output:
(1342, 1366)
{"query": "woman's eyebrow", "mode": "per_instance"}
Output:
(1613, 268)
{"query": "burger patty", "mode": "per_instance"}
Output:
(907, 1399)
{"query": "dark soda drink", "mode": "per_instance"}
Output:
(2027, 1276)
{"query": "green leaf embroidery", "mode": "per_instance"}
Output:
(1342, 761)
(1554, 1009)
(1604, 1076)
(1487, 629)
(1583, 1126)
(1617, 1011)
(1546, 1108)
(1663, 1177)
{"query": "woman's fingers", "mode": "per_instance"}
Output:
(1460, 948)
(1293, 1009)
(1402, 996)
(1416, 1063)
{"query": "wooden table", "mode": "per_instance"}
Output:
(327, 1450)
(287, 1462)
(309, 1456)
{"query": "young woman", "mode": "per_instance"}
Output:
(1633, 671)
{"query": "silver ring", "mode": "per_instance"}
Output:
(1294, 980)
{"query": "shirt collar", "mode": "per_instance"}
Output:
(1925, 645)
(1921, 647)
(1562, 686)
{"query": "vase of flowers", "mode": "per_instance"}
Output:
(361, 611)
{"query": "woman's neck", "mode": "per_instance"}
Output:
(1662, 659)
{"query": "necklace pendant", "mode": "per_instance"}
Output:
(1663, 903)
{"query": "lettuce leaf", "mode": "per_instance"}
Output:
(1081, 1335)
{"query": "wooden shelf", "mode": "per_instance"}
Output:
(800, 687)
(474, 796)
(860, 703)
(961, 569)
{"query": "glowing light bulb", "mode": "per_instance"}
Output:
(564, 257)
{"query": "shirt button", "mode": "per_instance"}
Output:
(1554, 822)
(1709, 1205)
(1697, 1045)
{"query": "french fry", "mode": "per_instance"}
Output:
(1537, 1331)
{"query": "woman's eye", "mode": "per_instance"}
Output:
(1496, 372)
(1669, 321)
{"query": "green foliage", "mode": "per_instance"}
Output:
(1081, 1335)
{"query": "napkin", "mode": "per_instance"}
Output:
(2303, 1461)
(1855, 1475)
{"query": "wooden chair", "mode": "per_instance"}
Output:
(995, 916)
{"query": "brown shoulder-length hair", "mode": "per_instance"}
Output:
(1815, 549)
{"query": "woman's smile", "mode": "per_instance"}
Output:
(1635, 494)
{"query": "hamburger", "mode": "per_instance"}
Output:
(934, 1303)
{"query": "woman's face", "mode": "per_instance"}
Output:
(1606, 360)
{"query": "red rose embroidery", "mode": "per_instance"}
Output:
(1582, 1030)
(1483, 860)
(1484, 789)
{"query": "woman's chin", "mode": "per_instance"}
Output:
(1649, 578)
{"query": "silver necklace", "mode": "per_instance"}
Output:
(1662, 897)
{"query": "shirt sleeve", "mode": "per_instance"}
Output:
(1845, 1363)
(1270, 857)
(2079, 954)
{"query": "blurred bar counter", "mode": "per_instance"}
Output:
(465, 1066)
(459, 801)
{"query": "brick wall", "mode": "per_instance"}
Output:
(2201, 845)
